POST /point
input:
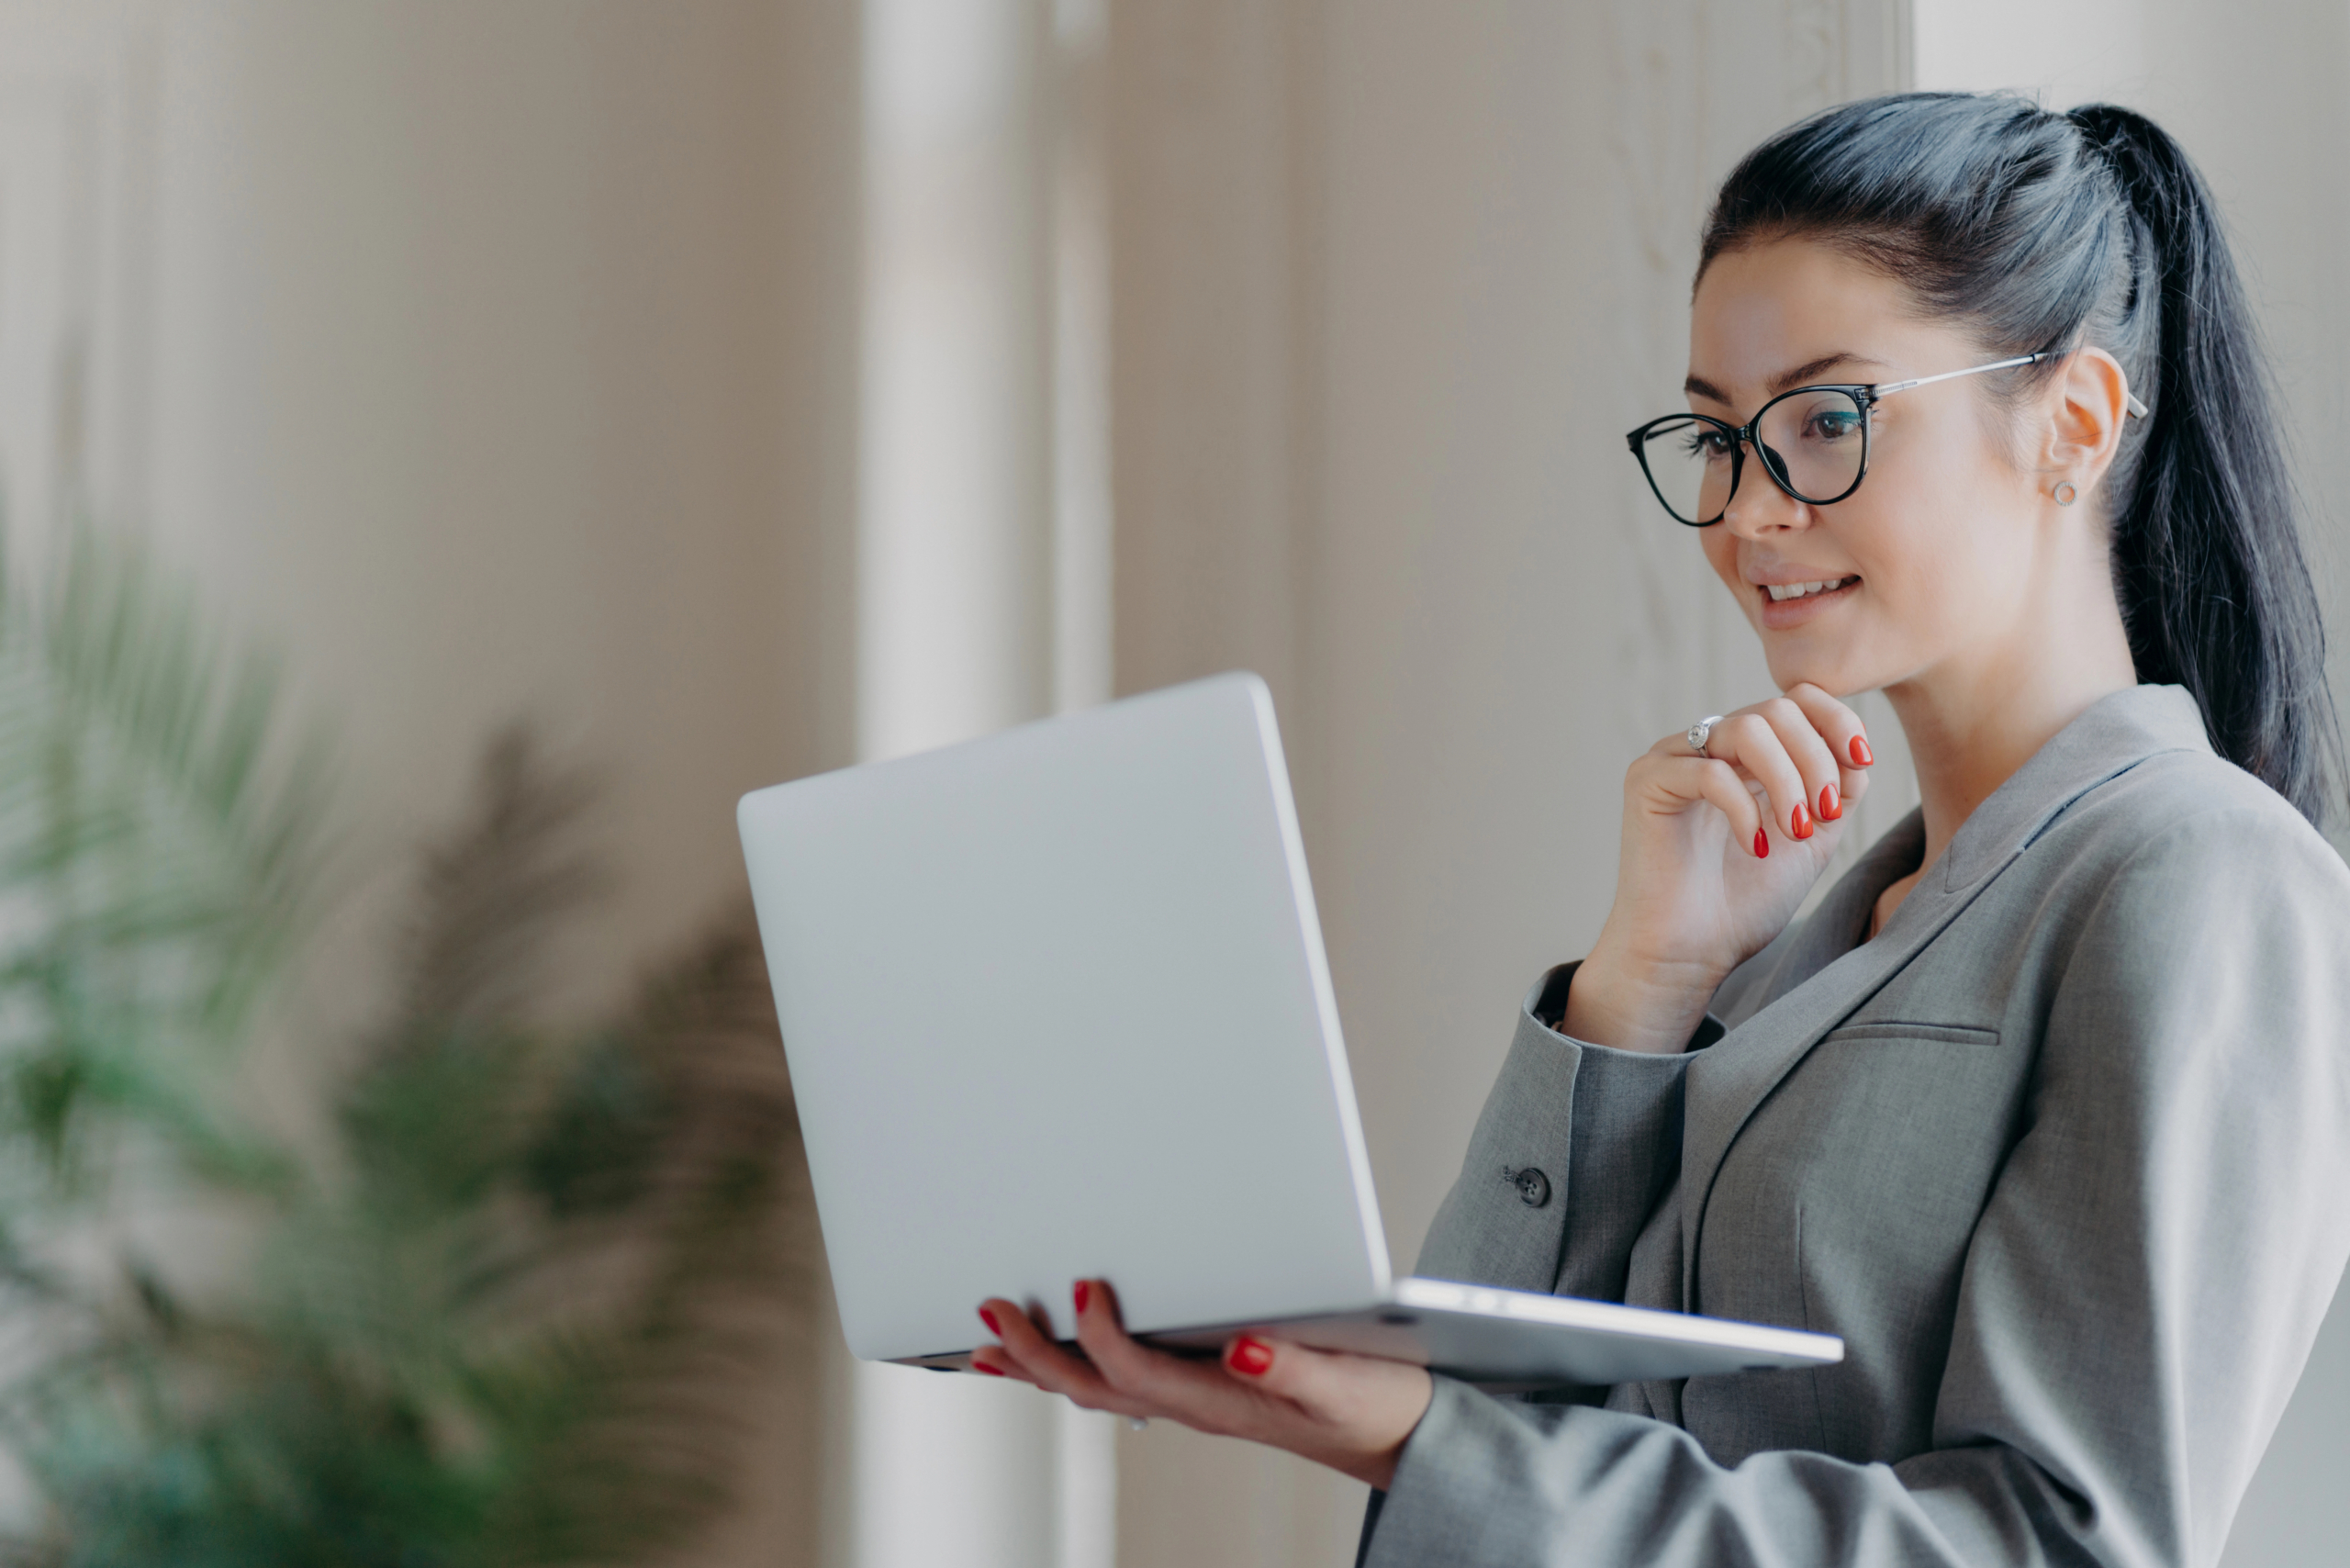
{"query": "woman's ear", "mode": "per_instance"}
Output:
(2086, 405)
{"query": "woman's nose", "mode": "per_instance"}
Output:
(1758, 506)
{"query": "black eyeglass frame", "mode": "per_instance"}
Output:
(1863, 396)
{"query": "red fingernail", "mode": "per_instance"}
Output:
(1831, 805)
(1762, 846)
(1861, 756)
(989, 1319)
(1249, 1356)
(983, 1367)
(1800, 826)
(1083, 1292)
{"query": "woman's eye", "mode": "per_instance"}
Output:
(1835, 426)
(1708, 444)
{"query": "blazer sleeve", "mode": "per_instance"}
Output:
(1576, 1146)
(2143, 1287)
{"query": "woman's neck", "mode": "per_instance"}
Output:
(1974, 721)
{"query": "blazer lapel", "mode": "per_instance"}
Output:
(1733, 1077)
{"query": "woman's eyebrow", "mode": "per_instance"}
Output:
(1818, 367)
(1699, 386)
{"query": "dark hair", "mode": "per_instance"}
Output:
(2053, 232)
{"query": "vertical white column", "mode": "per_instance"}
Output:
(1085, 1458)
(982, 600)
(1080, 326)
(955, 578)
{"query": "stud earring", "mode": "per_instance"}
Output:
(2064, 493)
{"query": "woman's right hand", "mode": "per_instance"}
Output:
(1718, 851)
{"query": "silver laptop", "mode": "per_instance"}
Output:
(1056, 1008)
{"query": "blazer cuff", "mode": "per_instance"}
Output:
(1571, 1128)
(1486, 1483)
(1547, 1005)
(1462, 1484)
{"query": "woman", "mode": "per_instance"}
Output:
(2045, 1108)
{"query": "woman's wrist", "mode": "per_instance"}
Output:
(1376, 1471)
(1626, 1006)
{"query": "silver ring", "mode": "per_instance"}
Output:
(1699, 730)
(1138, 1423)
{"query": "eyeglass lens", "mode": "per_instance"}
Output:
(1813, 439)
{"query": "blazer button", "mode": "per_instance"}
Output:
(1533, 1187)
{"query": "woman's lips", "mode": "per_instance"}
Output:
(1780, 614)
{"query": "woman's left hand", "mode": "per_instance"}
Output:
(1351, 1413)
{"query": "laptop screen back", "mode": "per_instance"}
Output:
(1055, 1006)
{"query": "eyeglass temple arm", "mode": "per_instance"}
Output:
(1887, 389)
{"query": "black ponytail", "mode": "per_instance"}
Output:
(2055, 231)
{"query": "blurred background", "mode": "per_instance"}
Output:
(739, 389)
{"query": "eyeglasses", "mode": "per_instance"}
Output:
(1813, 441)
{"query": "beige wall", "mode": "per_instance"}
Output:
(488, 361)
(495, 373)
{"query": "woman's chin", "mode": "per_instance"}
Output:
(1838, 677)
(1841, 648)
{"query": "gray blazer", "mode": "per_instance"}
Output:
(2063, 1154)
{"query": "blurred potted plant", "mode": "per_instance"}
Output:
(498, 1304)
